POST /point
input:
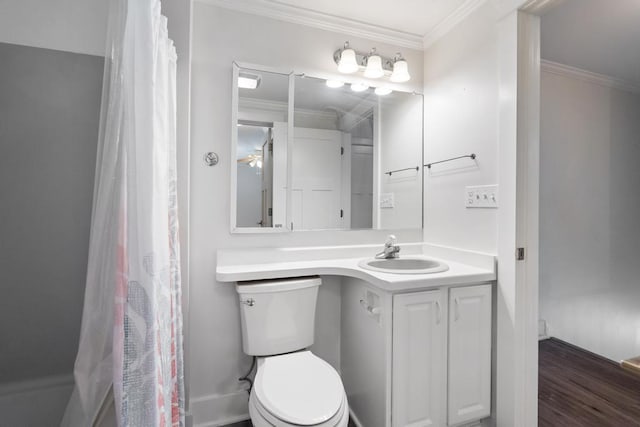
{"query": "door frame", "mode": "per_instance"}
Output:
(519, 171)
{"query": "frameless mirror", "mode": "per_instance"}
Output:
(259, 175)
(356, 157)
(333, 157)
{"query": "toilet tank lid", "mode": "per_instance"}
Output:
(277, 285)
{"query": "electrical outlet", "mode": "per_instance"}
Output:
(387, 201)
(481, 196)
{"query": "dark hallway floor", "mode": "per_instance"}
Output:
(579, 388)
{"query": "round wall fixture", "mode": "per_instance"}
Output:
(211, 158)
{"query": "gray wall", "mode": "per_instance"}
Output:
(49, 115)
(589, 211)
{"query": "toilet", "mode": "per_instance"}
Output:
(292, 386)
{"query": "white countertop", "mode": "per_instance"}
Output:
(465, 267)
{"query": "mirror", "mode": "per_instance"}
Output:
(353, 158)
(260, 117)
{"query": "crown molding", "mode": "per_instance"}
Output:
(285, 12)
(540, 7)
(588, 76)
(282, 107)
(447, 24)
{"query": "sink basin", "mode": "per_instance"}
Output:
(404, 265)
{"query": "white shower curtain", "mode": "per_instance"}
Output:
(131, 334)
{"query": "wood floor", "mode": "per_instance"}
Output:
(578, 388)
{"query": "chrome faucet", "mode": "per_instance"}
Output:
(391, 248)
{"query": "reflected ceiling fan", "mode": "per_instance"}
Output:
(253, 160)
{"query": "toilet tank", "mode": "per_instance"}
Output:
(278, 316)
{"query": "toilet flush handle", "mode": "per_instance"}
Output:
(250, 302)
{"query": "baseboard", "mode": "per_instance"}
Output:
(543, 332)
(219, 409)
(49, 395)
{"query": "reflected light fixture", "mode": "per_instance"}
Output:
(248, 81)
(334, 83)
(374, 65)
(347, 63)
(382, 91)
(359, 87)
(400, 70)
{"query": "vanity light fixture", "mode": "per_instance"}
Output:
(372, 64)
(347, 61)
(400, 70)
(334, 84)
(248, 81)
(382, 91)
(359, 87)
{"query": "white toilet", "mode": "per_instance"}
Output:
(292, 387)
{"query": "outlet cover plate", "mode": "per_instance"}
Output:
(481, 196)
(387, 201)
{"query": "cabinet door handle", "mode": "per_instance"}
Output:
(456, 301)
(438, 313)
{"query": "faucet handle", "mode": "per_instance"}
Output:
(391, 240)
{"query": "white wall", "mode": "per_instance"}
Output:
(589, 210)
(461, 117)
(397, 115)
(71, 25)
(471, 106)
(220, 37)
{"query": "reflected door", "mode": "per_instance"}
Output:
(267, 182)
(362, 185)
(316, 179)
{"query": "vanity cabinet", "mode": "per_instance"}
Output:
(419, 357)
(441, 357)
(469, 356)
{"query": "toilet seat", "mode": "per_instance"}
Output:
(298, 389)
(261, 417)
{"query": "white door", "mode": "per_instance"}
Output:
(316, 177)
(419, 359)
(361, 186)
(469, 353)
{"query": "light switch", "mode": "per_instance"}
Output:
(481, 196)
(387, 201)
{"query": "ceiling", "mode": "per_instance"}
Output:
(417, 17)
(601, 36)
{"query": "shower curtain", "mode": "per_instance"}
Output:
(131, 333)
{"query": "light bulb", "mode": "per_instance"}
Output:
(381, 91)
(359, 87)
(334, 84)
(348, 63)
(400, 71)
(374, 66)
(248, 81)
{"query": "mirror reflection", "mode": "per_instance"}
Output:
(332, 156)
(261, 149)
(351, 154)
(346, 138)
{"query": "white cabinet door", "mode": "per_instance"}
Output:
(419, 359)
(469, 353)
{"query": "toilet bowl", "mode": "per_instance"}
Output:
(292, 387)
(297, 389)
